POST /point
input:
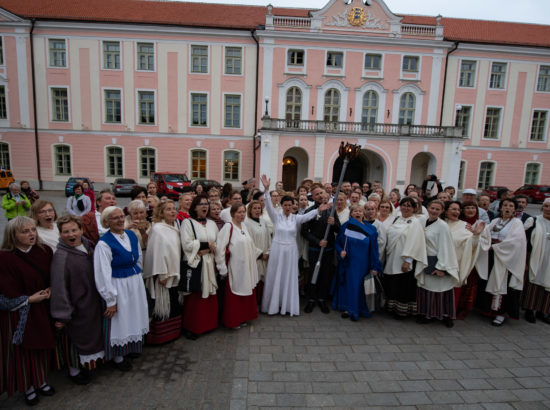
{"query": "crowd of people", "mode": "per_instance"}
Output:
(93, 285)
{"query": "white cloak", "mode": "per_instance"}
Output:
(261, 235)
(405, 240)
(539, 264)
(467, 247)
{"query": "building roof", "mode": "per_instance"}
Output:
(250, 17)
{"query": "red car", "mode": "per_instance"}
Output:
(171, 184)
(536, 193)
(492, 191)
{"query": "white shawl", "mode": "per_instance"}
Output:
(259, 231)
(405, 239)
(467, 247)
(539, 264)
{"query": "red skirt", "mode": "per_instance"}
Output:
(200, 315)
(238, 309)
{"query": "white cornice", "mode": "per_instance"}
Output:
(506, 49)
(141, 28)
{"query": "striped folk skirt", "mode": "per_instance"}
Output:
(401, 293)
(436, 305)
(534, 297)
(114, 351)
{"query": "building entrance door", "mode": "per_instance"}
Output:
(290, 174)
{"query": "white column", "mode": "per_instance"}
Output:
(402, 162)
(319, 158)
(433, 103)
(24, 105)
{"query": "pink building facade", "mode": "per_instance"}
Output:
(230, 92)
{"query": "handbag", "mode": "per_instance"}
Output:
(191, 278)
(369, 284)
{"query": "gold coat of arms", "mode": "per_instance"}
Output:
(357, 16)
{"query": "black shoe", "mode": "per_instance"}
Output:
(189, 335)
(345, 315)
(544, 318)
(530, 316)
(422, 319)
(353, 319)
(133, 355)
(124, 365)
(49, 390)
(324, 307)
(82, 378)
(448, 322)
(31, 398)
(309, 306)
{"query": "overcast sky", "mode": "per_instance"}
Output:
(528, 11)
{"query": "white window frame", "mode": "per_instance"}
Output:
(293, 69)
(2, 51)
(191, 162)
(9, 154)
(500, 121)
(240, 111)
(208, 56)
(225, 61)
(240, 164)
(111, 178)
(5, 122)
(415, 73)
(304, 88)
(470, 123)
(321, 91)
(54, 160)
(207, 109)
(418, 93)
(287, 57)
(66, 66)
(379, 71)
(460, 72)
(140, 178)
(50, 103)
(136, 58)
(138, 90)
(103, 55)
(104, 107)
(540, 165)
(545, 130)
(492, 181)
(537, 81)
(381, 91)
(505, 79)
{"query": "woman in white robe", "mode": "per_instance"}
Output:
(117, 269)
(162, 261)
(261, 235)
(436, 283)
(405, 257)
(240, 303)
(501, 265)
(281, 280)
(536, 295)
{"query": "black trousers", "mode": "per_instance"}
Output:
(320, 291)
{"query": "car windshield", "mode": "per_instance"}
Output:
(544, 189)
(175, 178)
(126, 181)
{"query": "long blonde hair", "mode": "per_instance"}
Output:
(15, 225)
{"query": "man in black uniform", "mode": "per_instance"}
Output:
(313, 231)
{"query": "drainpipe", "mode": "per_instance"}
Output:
(38, 174)
(445, 80)
(254, 147)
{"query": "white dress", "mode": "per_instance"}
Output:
(50, 237)
(281, 279)
(259, 231)
(131, 320)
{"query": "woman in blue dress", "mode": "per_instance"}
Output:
(357, 250)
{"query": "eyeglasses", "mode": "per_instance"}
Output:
(46, 211)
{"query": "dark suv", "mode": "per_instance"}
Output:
(171, 184)
(71, 182)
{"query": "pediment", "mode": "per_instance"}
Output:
(6, 16)
(369, 16)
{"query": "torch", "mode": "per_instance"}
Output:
(347, 152)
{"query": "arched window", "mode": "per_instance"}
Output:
(147, 162)
(370, 110)
(332, 105)
(406, 109)
(5, 156)
(62, 160)
(293, 110)
(198, 164)
(114, 162)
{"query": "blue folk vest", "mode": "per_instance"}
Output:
(124, 263)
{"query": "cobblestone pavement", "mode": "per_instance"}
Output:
(316, 361)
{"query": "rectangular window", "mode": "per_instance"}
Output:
(4, 156)
(410, 64)
(467, 73)
(232, 111)
(3, 106)
(60, 105)
(114, 162)
(231, 165)
(199, 59)
(543, 82)
(146, 56)
(111, 55)
(492, 121)
(335, 59)
(295, 57)
(1, 51)
(113, 106)
(463, 119)
(198, 164)
(146, 101)
(58, 53)
(486, 171)
(532, 173)
(233, 60)
(373, 61)
(498, 75)
(147, 162)
(199, 110)
(538, 127)
(63, 160)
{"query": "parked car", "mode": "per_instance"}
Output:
(171, 184)
(536, 193)
(206, 184)
(71, 182)
(123, 186)
(6, 178)
(492, 191)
